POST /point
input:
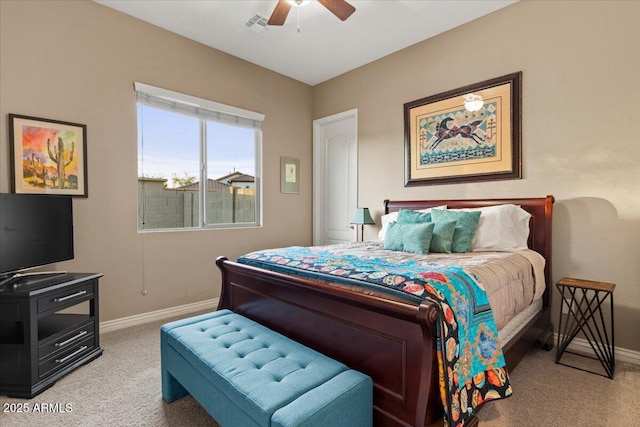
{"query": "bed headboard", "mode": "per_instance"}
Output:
(540, 209)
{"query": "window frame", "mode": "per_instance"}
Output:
(204, 110)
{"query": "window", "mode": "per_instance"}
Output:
(198, 162)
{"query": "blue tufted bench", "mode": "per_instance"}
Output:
(245, 374)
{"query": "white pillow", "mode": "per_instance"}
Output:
(393, 216)
(501, 228)
(521, 219)
(386, 219)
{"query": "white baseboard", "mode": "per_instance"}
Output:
(139, 319)
(582, 346)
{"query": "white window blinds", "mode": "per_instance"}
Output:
(198, 107)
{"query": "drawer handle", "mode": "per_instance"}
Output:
(63, 343)
(77, 294)
(78, 351)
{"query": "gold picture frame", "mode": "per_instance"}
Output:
(48, 156)
(448, 140)
(289, 175)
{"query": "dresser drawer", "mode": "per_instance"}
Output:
(67, 297)
(70, 338)
(71, 354)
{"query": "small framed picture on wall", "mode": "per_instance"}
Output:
(289, 175)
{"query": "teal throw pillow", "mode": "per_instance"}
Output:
(442, 238)
(407, 216)
(414, 238)
(466, 226)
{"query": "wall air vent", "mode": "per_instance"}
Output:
(257, 24)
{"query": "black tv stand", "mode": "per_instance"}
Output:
(39, 342)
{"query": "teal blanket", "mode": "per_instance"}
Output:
(471, 365)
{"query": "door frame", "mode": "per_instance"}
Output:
(319, 165)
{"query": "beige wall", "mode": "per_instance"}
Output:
(581, 86)
(76, 61)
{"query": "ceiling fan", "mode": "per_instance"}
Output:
(340, 8)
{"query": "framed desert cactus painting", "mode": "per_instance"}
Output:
(48, 156)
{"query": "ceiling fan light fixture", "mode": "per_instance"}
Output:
(473, 102)
(340, 8)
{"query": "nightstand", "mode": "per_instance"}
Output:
(584, 300)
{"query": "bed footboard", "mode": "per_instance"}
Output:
(392, 342)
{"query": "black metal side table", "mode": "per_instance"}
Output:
(584, 300)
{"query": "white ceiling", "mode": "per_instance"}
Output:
(325, 47)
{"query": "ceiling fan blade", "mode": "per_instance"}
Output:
(280, 13)
(340, 8)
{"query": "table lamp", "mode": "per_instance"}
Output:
(362, 217)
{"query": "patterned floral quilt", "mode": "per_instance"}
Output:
(470, 361)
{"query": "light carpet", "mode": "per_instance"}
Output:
(123, 388)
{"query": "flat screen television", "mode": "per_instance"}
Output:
(35, 230)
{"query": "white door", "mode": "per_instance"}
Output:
(335, 177)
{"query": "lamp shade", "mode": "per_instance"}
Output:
(362, 216)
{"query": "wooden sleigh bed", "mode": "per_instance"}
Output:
(391, 341)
